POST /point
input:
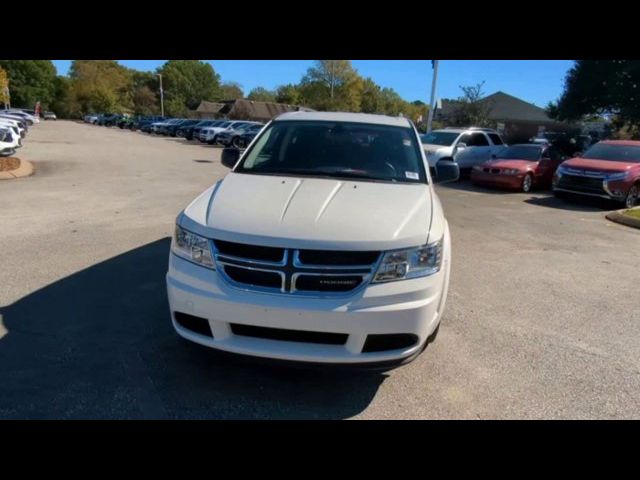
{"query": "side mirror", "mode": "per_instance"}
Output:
(447, 172)
(230, 157)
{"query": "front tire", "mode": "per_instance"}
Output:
(527, 183)
(632, 196)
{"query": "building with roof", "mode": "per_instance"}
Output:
(514, 118)
(244, 109)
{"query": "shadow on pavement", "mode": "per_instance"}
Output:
(575, 203)
(467, 186)
(99, 344)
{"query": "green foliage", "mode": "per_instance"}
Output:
(100, 86)
(61, 105)
(30, 81)
(261, 94)
(600, 87)
(4, 85)
(186, 83)
(470, 109)
(231, 91)
(289, 94)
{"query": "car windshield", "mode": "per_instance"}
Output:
(337, 149)
(439, 138)
(613, 153)
(521, 152)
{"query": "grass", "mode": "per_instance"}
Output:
(634, 213)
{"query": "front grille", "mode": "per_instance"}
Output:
(289, 335)
(329, 257)
(579, 183)
(282, 270)
(254, 277)
(251, 252)
(327, 283)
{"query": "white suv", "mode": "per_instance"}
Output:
(465, 146)
(326, 243)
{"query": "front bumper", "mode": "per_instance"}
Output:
(405, 307)
(592, 186)
(497, 180)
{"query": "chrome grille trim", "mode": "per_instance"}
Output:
(290, 269)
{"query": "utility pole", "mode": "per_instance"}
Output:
(161, 95)
(432, 105)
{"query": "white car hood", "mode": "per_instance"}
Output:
(312, 213)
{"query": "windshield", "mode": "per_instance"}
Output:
(439, 138)
(337, 149)
(614, 153)
(521, 152)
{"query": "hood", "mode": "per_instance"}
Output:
(510, 163)
(312, 213)
(604, 166)
(431, 148)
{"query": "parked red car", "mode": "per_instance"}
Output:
(519, 167)
(609, 169)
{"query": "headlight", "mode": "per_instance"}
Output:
(192, 247)
(410, 263)
(510, 171)
(477, 168)
(617, 176)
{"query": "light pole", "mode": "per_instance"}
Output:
(161, 95)
(433, 94)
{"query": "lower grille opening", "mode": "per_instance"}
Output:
(254, 277)
(391, 341)
(581, 184)
(289, 335)
(195, 324)
(327, 283)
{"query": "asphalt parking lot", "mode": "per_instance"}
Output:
(542, 320)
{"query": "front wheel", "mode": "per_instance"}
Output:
(632, 196)
(235, 142)
(527, 183)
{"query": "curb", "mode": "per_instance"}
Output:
(622, 219)
(24, 170)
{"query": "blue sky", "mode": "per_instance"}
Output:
(536, 81)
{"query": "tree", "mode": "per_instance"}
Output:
(600, 87)
(289, 94)
(470, 109)
(62, 105)
(261, 94)
(371, 101)
(332, 85)
(186, 83)
(100, 86)
(232, 91)
(31, 81)
(4, 87)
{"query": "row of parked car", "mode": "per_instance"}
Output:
(569, 166)
(14, 125)
(236, 133)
